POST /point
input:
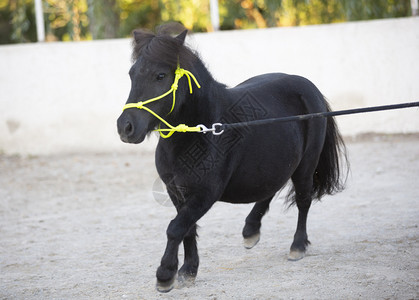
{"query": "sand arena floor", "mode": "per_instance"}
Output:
(87, 226)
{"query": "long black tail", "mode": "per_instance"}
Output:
(333, 166)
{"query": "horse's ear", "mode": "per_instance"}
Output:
(141, 35)
(137, 35)
(181, 37)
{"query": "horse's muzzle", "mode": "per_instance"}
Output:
(129, 131)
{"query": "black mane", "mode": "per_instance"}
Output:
(163, 46)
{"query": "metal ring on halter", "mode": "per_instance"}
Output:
(213, 129)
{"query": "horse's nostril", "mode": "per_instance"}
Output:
(128, 129)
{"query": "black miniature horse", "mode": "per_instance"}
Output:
(245, 165)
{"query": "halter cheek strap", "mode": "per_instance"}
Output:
(179, 73)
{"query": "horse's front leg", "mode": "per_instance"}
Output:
(180, 229)
(189, 270)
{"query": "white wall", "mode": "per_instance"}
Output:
(66, 97)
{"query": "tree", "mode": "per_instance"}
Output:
(97, 19)
(375, 9)
(66, 20)
(104, 18)
(138, 13)
(16, 19)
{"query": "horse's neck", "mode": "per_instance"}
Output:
(204, 106)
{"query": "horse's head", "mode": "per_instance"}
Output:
(156, 58)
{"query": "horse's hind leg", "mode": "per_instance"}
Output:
(251, 230)
(303, 188)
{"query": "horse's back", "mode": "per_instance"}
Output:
(285, 88)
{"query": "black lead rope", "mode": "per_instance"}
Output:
(222, 127)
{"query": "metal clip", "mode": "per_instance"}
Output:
(213, 129)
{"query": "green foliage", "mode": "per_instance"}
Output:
(97, 19)
(138, 14)
(104, 18)
(375, 9)
(66, 20)
(16, 19)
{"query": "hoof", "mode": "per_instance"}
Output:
(251, 241)
(166, 286)
(296, 255)
(185, 281)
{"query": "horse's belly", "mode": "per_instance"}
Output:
(265, 167)
(248, 187)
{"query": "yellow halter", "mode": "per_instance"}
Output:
(181, 127)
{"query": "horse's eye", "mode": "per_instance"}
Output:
(160, 76)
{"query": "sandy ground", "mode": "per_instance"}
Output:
(86, 226)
